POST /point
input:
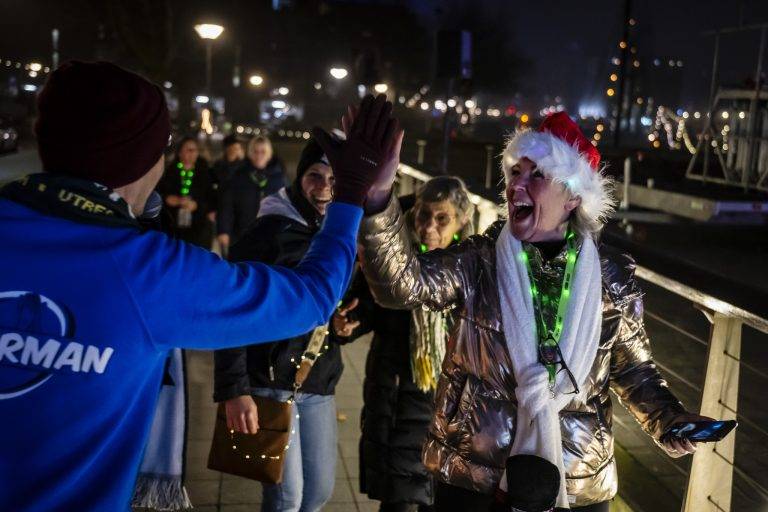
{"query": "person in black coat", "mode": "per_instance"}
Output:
(258, 176)
(187, 194)
(281, 235)
(404, 360)
(231, 159)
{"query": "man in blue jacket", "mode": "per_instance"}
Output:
(90, 304)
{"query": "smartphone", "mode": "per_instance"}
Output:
(701, 431)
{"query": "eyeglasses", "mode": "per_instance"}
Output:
(441, 219)
(551, 355)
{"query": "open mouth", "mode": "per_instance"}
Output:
(522, 210)
(321, 202)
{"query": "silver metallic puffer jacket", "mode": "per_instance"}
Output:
(475, 407)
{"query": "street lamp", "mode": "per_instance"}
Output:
(338, 73)
(209, 32)
(381, 88)
(256, 80)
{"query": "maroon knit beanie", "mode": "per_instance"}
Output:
(99, 122)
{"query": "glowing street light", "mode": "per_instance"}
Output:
(202, 98)
(36, 67)
(256, 80)
(208, 32)
(339, 73)
(278, 104)
(380, 88)
(283, 91)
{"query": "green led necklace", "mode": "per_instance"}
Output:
(185, 175)
(549, 336)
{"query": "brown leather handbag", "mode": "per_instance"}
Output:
(261, 456)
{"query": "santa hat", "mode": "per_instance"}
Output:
(564, 154)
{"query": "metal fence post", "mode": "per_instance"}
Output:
(488, 165)
(711, 479)
(627, 180)
(422, 144)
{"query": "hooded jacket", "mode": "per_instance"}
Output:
(473, 426)
(281, 236)
(87, 318)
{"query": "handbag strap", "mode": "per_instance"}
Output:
(308, 358)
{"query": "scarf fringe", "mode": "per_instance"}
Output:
(428, 338)
(160, 492)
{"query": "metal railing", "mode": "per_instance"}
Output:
(710, 481)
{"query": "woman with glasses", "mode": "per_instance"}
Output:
(404, 361)
(547, 322)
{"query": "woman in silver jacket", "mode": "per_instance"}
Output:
(546, 322)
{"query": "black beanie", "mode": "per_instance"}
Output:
(99, 122)
(230, 140)
(311, 154)
(533, 483)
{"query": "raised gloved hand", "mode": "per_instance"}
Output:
(364, 158)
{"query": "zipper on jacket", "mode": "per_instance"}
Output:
(270, 360)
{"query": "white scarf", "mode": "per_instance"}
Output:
(538, 421)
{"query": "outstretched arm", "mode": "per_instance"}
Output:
(401, 278)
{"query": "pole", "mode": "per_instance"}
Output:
(446, 131)
(488, 165)
(627, 180)
(622, 72)
(236, 70)
(208, 60)
(711, 108)
(752, 126)
(55, 41)
(421, 143)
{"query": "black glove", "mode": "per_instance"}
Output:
(358, 161)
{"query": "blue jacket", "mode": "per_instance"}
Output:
(88, 314)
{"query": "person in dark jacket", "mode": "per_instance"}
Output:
(232, 158)
(187, 194)
(260, 175)
(281, 235)
(224, 168)
(404, 361)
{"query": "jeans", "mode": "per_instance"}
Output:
(309, 473)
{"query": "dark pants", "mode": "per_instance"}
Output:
(449, 498)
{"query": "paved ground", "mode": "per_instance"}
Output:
(211, 491)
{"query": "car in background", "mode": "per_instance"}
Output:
(9, 137)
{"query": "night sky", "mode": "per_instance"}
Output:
(566, 45)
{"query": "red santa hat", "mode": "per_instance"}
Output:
(564, 154)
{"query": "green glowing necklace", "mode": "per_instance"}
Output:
(185, 175)
(549, 337)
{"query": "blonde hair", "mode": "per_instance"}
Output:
(259, 139)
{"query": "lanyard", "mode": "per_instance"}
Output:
(549, 337)
(186, 176)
